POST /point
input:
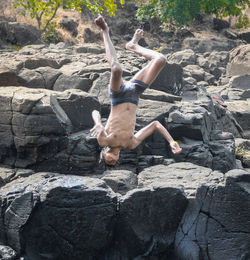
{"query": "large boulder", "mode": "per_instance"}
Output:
(19, 33)
(70, 25)
(57, 216)
(239, 61)
(37, 126)
(209, 45)
(183, 58)
(195, 125)
(241, 111)
(43, 77)
(169, 80)
(239, 87)
(215, 224)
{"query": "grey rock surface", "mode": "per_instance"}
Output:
(57, 216)
(19, 33)
(216, 221)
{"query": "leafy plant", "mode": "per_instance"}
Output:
(243, 22)
(182, 12)
(16, 47)
(44, 11)
(51, 34)
(240, 152)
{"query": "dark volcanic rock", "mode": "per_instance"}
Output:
(216, 222)
(70, 25)
(19, 33)
(169, 80)
(245, 36)
(238, 64)
(195, 125)
(219, 24)
(56, 216)
(35, 132)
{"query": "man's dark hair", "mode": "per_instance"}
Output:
(102, 159)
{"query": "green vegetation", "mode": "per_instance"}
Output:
(240, 152)
(182, 12)
(44, 11)
(172, 12)
(16, 47)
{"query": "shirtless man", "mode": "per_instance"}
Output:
(119, 130)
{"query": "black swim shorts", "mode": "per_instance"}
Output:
(129, 92)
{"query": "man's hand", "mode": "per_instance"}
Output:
(97, 130)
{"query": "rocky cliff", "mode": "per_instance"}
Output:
(58, 202)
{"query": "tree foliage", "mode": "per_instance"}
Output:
(182, 12)
(44, 11)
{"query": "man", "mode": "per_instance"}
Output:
(119, 130)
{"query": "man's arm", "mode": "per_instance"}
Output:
(98, 130)
(150, 129)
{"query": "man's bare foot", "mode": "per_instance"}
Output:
(137, 36)
(176, 149)
(100, 22)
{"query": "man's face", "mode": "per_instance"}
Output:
(110, 158)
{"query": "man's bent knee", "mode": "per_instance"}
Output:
(116, 70)
(161, 60)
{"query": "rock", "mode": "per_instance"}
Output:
(227, 122)
(193, 116)
(230, 34)
(183, 58)
(88, 35)
(90, 48)
(8, 77)
(8, 175)
(189, 81)
(215, 222)
(153, 94)
(100, 89)
(75, 103)
(209, 45)
(239, 87)
(19, 33)
(149, 110)
(73, 68)
(43, 77)
(184, 175)
(35, 133)
(148, 217)
(169, 80)
(194, 71)
(245, 36)
(58, 216)
(184, 33)
(239, 64)
(219, 24)
(70, 25)
(240, 110)
(65, 82)
(7, 253)
(120, 181)
(194, 125)
(215, 59)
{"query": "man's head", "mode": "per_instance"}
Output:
(111, 155)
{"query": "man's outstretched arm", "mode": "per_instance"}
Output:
(98, 131)
(150, 129)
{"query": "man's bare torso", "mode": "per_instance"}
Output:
(121, 124)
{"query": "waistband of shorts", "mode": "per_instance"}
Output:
(141, 83)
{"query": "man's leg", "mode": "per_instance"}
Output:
(157, 60)
(116, 70)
